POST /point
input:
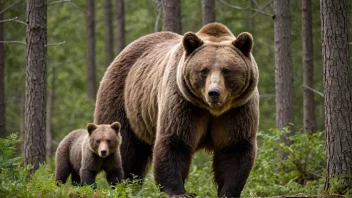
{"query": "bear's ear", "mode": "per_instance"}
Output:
(91, 127)
(244, 42)
(116, 126)
(191, 42)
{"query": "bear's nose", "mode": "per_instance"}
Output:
(214, 93)
(103, 152)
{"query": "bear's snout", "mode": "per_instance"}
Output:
(103, 152)
(214, 93)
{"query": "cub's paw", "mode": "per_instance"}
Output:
(186, 195)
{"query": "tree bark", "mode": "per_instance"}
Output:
(283, 64)
(120, 12)
(109, 41)
(309, 122)
(172, 16)
(34, 142)
(2, 78)
(338, 93)
(91, 82)
(208, 11)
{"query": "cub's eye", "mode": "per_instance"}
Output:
(226, 71)
(98, 141)
(108, 141)
(204, 72)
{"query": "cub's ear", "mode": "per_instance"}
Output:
(191, 42)
(244, 42)
(91, 127)
(116, 126)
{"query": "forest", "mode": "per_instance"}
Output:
(54, 53)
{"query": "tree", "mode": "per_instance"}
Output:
(309, 122)
(338, 93)
(172, 16)
(208, 11)
(2, 78)
(91, 82)
(34, 142)
(49, 114)
(120, 12)
(109, 49)
(283, 64)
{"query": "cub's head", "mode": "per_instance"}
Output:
(217, 71)
(104, 139)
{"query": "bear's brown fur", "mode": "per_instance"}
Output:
(177, 94)
(84, 153)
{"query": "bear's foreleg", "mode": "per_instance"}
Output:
(75, 178)
(88, 177)
(114, 176)
(171, 165)
(232, 165)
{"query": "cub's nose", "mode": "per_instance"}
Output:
(103, 152)
(214, 93)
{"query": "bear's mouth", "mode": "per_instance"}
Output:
(215, 103)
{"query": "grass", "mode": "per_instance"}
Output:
(270, 176)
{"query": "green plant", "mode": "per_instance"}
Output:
(300, 172)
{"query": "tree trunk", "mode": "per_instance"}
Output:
(172, 16)
(91, 85)
(309, 122)
(34, 142)
(120, 12)
(2, 78)
(208, 11)
(49, 115)
(109, 41)
(338, 93)
(283, 64)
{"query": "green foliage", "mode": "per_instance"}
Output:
(270, 176)
(12, 174)
(300, 172)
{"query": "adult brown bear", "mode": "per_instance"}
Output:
(177, 94)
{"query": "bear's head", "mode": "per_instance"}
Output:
(104, 139)
(217, 71)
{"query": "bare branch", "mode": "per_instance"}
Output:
(241, 8)
(264, 6)
(313, 90)
(13, 19)
(10, 6)
(53, 44)
(13, 42)
(57, 2)
(76, 6)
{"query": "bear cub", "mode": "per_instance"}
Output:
(84, 153)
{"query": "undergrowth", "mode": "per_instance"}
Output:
(301, 172)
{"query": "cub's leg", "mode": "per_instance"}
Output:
(63, 167)
(88, 177)
(232, 165)
(75, 178)
(113, 169)
(114, 176)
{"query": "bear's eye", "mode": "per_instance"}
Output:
(108, 141)
(204, 72)
(98, 141)
(226, 71)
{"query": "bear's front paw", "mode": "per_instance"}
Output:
(186, 195)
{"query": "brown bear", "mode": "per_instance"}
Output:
(178, 94)
(84, 153)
